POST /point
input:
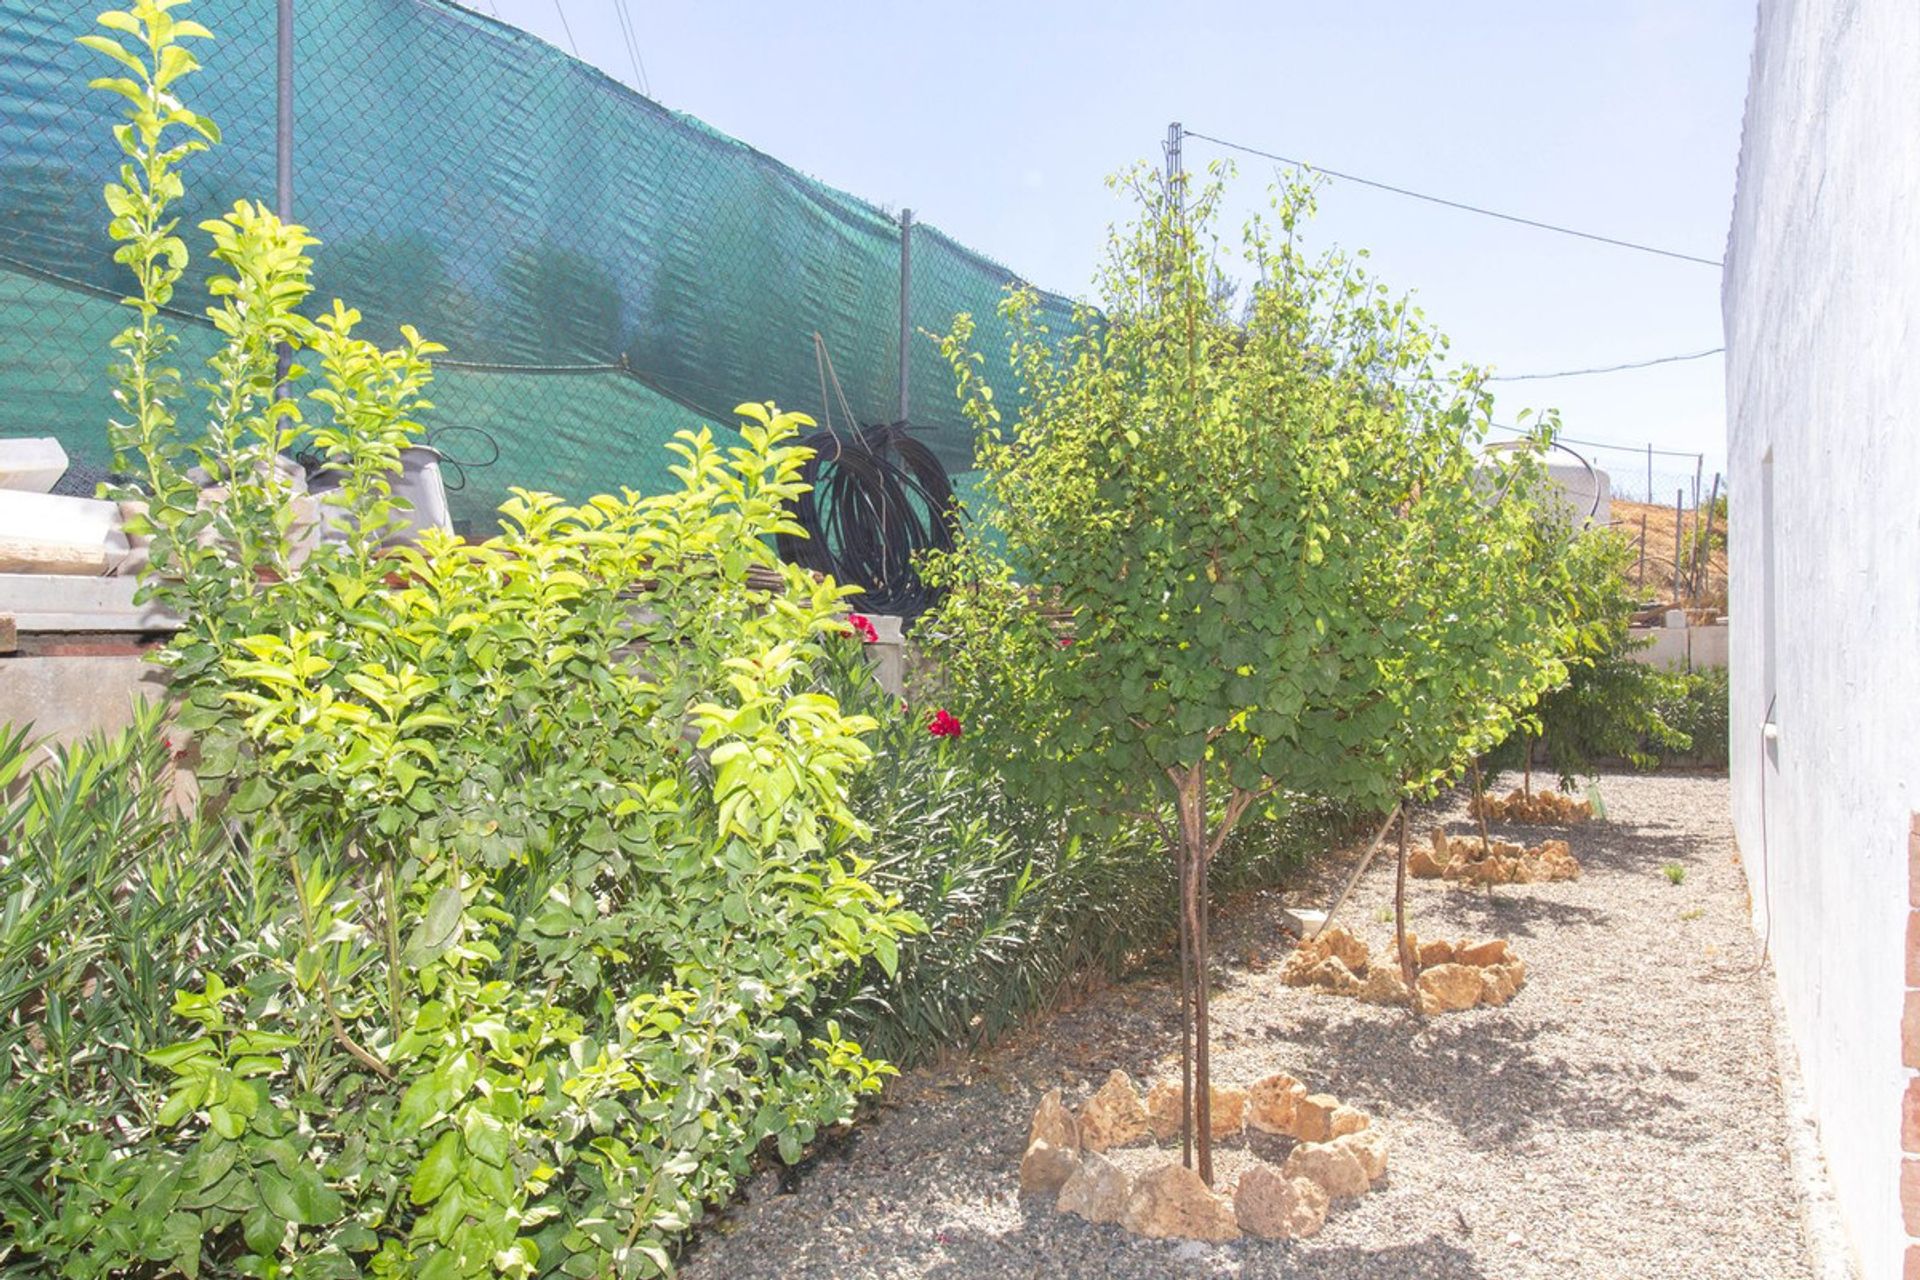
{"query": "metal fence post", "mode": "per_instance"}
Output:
(283, 153)
(906, 301)
(283, 121)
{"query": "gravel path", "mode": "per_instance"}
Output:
(1622, 1117)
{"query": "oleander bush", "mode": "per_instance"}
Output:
(109, 902)
(1024, 905)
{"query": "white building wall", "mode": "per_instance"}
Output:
(1822, 308)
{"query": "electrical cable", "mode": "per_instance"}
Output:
(1611, 368)
(1454, 204)
(627, 33)
(1604, 444)
(566, 26)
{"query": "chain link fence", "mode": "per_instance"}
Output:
(602, 271)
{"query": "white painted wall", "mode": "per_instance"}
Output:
(1822, 307)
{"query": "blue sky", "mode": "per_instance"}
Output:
(998, 123)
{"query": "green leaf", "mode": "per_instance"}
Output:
(438, 927)
(438, 1168)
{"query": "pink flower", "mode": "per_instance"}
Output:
(944, 725)
(863, 627)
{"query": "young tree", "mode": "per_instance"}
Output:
(1252, 517)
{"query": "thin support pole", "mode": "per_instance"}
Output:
(1642, 574)
(906, 303)
(1679, 496)
(1346, 891)
(1649, 473)
(1703, 554)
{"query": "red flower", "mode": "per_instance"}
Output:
(863, 627)
(944, 725)
(1066, 642)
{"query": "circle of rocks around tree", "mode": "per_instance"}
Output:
(1474, 861)
(1293, 1153)
(1541, 808)
(1450, 976)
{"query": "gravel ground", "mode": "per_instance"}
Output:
(1622, 1117)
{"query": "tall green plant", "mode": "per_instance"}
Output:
(1256, 521)
(108, 903)
(552, 820)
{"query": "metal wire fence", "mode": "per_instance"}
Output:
(603, 271)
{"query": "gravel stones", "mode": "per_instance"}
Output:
(1622, 1119)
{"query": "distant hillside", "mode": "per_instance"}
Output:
(1657, 582)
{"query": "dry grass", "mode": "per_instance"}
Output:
(1655, 574)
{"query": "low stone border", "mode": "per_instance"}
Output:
(1335, 1152)
(1451, 975)
(1470, 861)
(1542, 807)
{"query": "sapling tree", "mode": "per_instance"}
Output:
(1477, 624)
(1235, 506)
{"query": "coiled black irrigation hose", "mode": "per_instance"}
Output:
(877, 499)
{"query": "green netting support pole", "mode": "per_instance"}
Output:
(283, 147)
(906, 299)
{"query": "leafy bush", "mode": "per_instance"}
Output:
(1695, 704)
(1610, 707)
(551, 826)
(108, 903)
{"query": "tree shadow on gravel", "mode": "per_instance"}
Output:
(1483, 1076)
(1512, 912)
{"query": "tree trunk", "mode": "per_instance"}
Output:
(1526, 777)
(1186, 1012)
(1196, 1113)
(1407, 972)
(1480, 806)
(1203, 1065)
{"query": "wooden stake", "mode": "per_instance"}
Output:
(1346, 890)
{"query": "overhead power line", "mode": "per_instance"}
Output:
(632, 39)
(1454, 204)
(566, 27)
(1608, 368)
(1639, 449)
